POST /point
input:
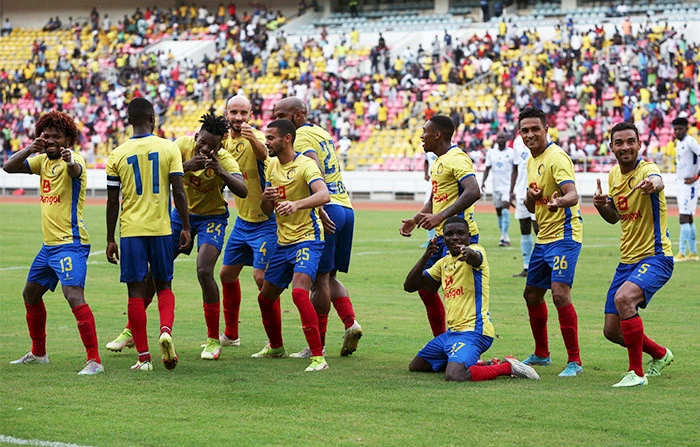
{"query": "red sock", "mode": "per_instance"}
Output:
(489, 372)
(655, 350)
(146, 302)
(322, 325)
(568, 324)
(36, 322)
(435, 311)
(137, 322)
(232, 307)
(88, 333)
(212, 313)
(538, 323)
(309, 321)
(271, 320)
(633, 333)
(166, 309)
(345, 311)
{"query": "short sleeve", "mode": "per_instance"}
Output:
(311, 172)
(611, 176)
(182, 144)
(487, 161)
(562, 169)
(302, 144)
(111, 168)
(80, 160)
(228, 162)
(462, 166)
(175, 166)
(34, 163)
(435, 271)
(694, 146)
(651, 169)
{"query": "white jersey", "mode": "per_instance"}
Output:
(687, 158)
(501, 163)
(430, 157)
(520, 155)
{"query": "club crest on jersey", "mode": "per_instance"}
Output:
(291, 174)
(540, 169)
(239, 147)
(55, 169)
(631, 183)
(440, 168)
(209, 173)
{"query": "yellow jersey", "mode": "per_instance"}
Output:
(309, 138)
(294, 181)
(253, 171)
(448, 170)
(548, 171)
(142, 167)
(642, 217)
(465, 292)
(62, 200)
(205, 189)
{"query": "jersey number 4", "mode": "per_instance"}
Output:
(134, 162)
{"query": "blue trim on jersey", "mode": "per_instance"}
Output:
(478, 297)
(427, 275)
(113, 178)
(656, 213)
(75, 190)
(26, 165)
(180, 174)
(317, 229)
(567, 223)
(142, 136)
(654, 174)
(467, 176)
(565, 182)
(261, 174)
(311, 182)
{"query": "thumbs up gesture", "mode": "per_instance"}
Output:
(553, 204)
(599, 199)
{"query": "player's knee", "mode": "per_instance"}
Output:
(561, 298)
(624, 301)
(205, 273)
(612, 334)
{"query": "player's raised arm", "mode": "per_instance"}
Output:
(233, 181)
(653, 184)
(319, 197)
(416, 278)
(258, 146)
(567, 200)
(470, 194)
(407, 225)
(180, 200)
(16, 165)
(604, 205)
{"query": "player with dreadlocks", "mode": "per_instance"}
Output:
(63, 255)
(208, 168)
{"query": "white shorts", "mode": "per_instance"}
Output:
(501, 199)
(687, 196)
(521, 211)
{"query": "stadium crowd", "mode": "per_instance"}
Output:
(585, 81)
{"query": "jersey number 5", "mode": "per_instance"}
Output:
(134, 162)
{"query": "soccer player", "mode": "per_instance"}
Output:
(464, 275)
(295, 190)
(339, 221)
(518, 191)
(254, 233)
(500, 160)
(552, 196)
(687, 174)
(208, 169)
(635, 199)
(454, 192)
(143, 168)
(63, 255)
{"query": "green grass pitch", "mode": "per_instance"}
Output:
(366, 399)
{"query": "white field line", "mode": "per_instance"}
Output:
(20, 441)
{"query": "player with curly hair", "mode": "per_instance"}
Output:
(63, 255)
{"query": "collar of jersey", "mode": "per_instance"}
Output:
(306, 124)
(142, 136)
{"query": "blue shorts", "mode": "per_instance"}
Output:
(290, 259)
(336, 252)
(650, 274)
(208, 230)
(138, 252)
(553, 262)
(455, 347)
(251, 243)
(65, 263)
(442, 250)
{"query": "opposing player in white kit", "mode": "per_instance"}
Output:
(500, 160)
(518, 191)
(429, 160)
(687, 174)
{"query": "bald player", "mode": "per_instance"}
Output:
(338, 221)
(254, 234)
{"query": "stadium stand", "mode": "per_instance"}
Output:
(372, 90)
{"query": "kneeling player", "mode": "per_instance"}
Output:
(464, 276)
(63, 256)
(636, 199)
